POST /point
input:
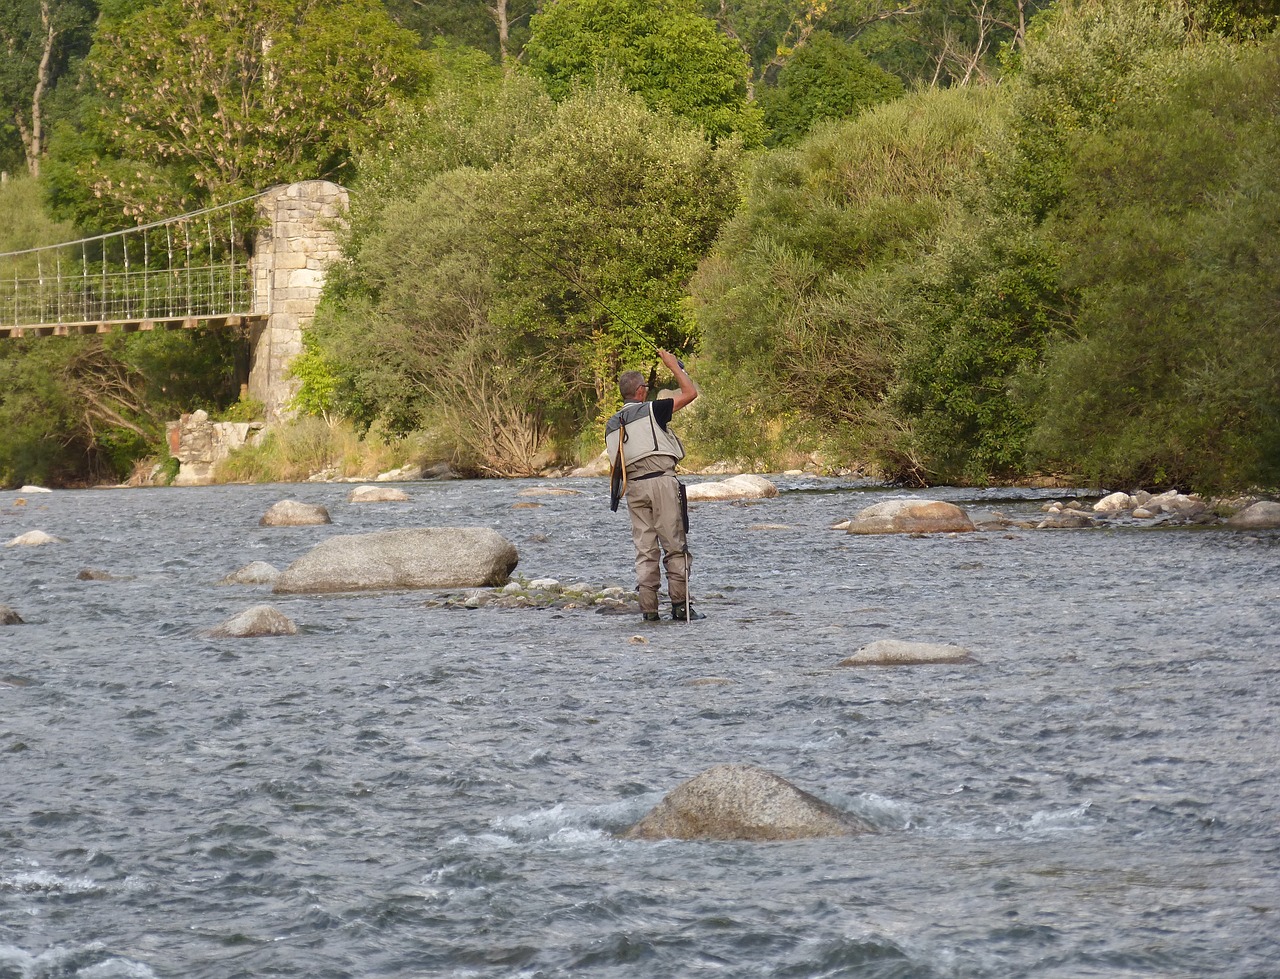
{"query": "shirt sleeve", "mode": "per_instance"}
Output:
(663, 409)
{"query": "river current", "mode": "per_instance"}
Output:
(409, 790)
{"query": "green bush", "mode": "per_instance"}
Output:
(1172, 374)
(826, 79)
(801, 302)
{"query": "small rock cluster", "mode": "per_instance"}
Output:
(542, 593)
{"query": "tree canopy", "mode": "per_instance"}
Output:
(675, 58)
(197, 100)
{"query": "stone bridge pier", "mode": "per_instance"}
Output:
(298, 243)
(293, 250)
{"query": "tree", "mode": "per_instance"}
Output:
(800, 302)
(499, 300)
(210, 100)
(1168, 231)
(828, 79)
(39, 39)
(772, 32)
(664, 50)
(497, 27)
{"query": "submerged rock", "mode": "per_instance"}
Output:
(424, 557)
(1065, 520)
(256, 573)
(895, 652)
(746, 486)
(1262, 515)
(742, 802)
(294, 513)
(911, 517)
(34, 538)
(260, 620)
(9, 617)
(548, 491)
(97, 574)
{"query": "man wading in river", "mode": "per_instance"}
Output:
(643, 454)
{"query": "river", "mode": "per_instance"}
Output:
(409, 790)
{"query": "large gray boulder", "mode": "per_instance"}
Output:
(424, 557)
(260, 620)
(746, 486)
(1263, 515)
(911, 517)
(741, 802)
(294, 513)
(896, 652)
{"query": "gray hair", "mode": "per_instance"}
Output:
(629, 383)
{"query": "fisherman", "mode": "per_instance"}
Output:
(643, 453)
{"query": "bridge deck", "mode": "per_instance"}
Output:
(89, 327)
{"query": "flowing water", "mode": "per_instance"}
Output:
(409, 790)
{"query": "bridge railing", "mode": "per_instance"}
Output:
(192, 265)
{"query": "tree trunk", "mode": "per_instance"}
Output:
(498, 11)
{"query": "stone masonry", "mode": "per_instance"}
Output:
(292, 253)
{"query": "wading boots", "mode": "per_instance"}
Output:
(678, 613)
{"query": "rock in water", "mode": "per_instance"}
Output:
(367, 493)
(261, 620)
(741, 802)
(9, 617)
(423, 557)
(746, 486)
(34, 538)
(256, 573)
(911, 517)
(895, 652)
(294, 513)
(1262, 515)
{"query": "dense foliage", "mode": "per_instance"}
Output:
(869, 249)
(199, 101)
(507, 324)
(665, 50)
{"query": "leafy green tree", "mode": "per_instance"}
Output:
(675, 58)
(83, 409)
(994, 301)
(1239, 19)
(500, 28)
(799, 303)
(40, 40)
(1171, 375)
(202, 101)
(1080, 58)
(463, 306)
(988, 305)
(827, 79)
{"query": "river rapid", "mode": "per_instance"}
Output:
(405, 789)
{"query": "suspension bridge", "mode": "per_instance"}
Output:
(256, 263)
(182, 272)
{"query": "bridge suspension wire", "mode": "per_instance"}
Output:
(132, 277)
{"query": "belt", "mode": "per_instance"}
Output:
(636, 479)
